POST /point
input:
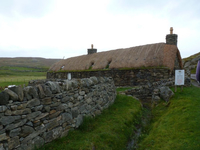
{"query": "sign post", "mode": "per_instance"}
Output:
(179, 78)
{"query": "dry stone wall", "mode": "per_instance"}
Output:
(130, 77)
(48, 109)
(149, 91)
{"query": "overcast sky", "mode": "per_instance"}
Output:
(66, 28)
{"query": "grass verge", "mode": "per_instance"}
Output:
(175, 126)
(110, 130)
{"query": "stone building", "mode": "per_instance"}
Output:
(129, 66)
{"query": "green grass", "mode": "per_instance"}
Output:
(123, 89)
(108, 131)
(176, 126)
(20, 73)
(17, 68)
(10, 75)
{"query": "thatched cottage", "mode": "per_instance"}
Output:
(128, 67)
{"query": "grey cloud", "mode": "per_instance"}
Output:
(25, 8)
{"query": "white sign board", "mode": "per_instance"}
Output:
(179, 77)
(69, 76)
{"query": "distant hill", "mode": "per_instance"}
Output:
(191, 62)
(27, 62)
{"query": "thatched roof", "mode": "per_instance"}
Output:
(151, 55)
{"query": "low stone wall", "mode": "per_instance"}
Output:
(133, 77)
(147, 91)
(37, 114)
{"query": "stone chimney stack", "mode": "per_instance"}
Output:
(171, 38)
(92, 50)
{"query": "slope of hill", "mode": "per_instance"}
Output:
(27, 62)
(191, 62)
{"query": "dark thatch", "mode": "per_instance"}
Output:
(151, 55)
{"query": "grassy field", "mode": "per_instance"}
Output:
(20, 75)
(175, 126)
(109, 131)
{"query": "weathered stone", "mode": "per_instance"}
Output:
(70, 105)
(80, 98)
(3, 137)
(26, 130)
(1, 146)
(19, 91)
(75, 83)
(41, 116)
(53, 123)
(55, 104)
(16, 125)
(12, 95)
(53, 134)
(21, 112)
(54, 114)
(82, 93)
(33, 135)
(79, 120)
(47, 108)
(89, 100)
(13, 142)
(22, 106)
(40, 91)
(24, 116)
(64, 133)
(82, 109)
(37, 142)
(75, 112)
(33, 115)
(38, 108)
(33, 102)
(30, 92)
(47, 91)
(29, 123)
(58, 96)
(65, 99)
(4, 120)
(55, 88)
(15, 132)
(66, 117)
(76, 95)
(4, 98)
(166, 93)
(8, 112)
(62, 107)
(46, 101)
(94, 80)
(13, 107)
(3, 108)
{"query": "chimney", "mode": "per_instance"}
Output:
(92, 50)
(171, 38)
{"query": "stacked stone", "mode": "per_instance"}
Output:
(147, 91)
(133, 77)
(38, 114)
